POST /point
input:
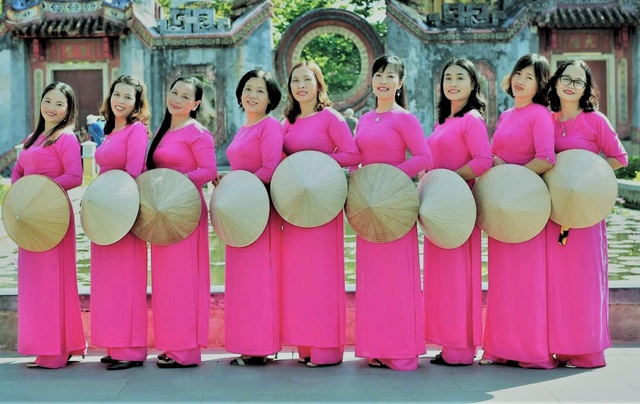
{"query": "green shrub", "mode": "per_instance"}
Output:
(629, 172)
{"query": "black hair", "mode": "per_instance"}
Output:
(589, 100)
(273, 91)
(392, 63)
(166, 121)
(476, 100)
(69, 120)
(542, 70)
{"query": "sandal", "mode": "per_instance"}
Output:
(377, 363)
(321, 365)
(163, 356)
(250, 361)
(306, 359)
(170, 363)
(439, 360)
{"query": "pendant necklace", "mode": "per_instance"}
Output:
(378, 116)
(564, 130)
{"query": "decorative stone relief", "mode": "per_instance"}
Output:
(469, 15)
(187, 21)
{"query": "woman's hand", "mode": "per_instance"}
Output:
(216, 181)
(497, 160)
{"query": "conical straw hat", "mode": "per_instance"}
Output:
(308, 189)
(447, 208)
(382, 203)
(513, 203)
(239, 208)
(110, 206)
(583, 188)
(36, 213)
(170, 207)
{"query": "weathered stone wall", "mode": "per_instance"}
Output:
(15, 92)
(635, 87)
(224, 66)
(424, 62)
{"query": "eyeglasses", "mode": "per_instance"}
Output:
(578, 84)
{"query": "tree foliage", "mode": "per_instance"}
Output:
(337, 55)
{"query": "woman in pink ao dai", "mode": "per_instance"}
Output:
(180, 279)
(313, 290)
(253, 273)
(516, 320)
(119, 270)
(578, 287)
(49, 320)
(453, 277)
(389, 308)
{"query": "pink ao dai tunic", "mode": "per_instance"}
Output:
(313, 290)
(516, 319)
(180, 278)
(577, 283)
(119, 270)
(253, 273)
(389, 306)
(453, 277)
(49, 320)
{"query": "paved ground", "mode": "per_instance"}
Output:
(287, 381)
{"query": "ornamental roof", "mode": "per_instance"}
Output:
(69, 27)
(588, 16)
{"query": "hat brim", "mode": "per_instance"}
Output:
(583, 188)
(447, 213)
(308, 189)
(382, 203)
(239, 208)
(36, 213)
(513, 203)
(170, 207)
(110, 206)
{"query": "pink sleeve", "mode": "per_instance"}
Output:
(607, 139)
(271, 140)
(346, 152)
(543, 136)
(205, 156)
(136, 149)
(477, 141)
(413, 136)
(69, 153)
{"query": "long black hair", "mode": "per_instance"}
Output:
(476, 100)
(166, 121)
(394, 64)
(589, 100)
(69, 120)
(542, 70)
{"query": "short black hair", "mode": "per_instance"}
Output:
(273, 90)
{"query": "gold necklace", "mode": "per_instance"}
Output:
(564, 130)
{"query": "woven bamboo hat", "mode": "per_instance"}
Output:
(36, 213)
(382, 203)
(110, 206)
(513, 203)
(170, 207)
(447, 209)
(308, 189)
(239, 208)
(583, 188)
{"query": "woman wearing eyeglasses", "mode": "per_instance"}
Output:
(577, 291)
